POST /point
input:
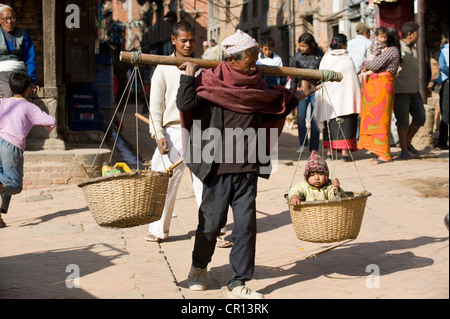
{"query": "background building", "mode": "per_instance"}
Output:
(87, 58)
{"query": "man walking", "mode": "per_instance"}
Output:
(165, 127)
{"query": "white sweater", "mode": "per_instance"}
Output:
(163, 95)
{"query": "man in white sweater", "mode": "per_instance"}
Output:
(165, 128)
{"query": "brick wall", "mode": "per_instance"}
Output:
(55, 168)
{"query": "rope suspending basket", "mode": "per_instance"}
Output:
(128, 199)
(329, 221)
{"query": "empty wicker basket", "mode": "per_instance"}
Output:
(127, 200)
(329, 221)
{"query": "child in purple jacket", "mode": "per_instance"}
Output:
(17, 117)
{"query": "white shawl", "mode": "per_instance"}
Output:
(338, 98)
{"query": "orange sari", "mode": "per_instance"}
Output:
(376, 114)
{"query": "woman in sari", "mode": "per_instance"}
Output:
(378, 100)
(338, 103)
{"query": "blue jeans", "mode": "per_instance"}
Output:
(302, 109)
(11, 172)
(219, 193)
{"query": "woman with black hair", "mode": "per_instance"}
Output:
(378, 101)
(308, 56)
(337, 106)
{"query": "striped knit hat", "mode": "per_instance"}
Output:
(316, 164)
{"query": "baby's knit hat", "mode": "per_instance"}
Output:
(316, 164)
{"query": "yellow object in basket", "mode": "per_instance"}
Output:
(107, 170)
(122, 166)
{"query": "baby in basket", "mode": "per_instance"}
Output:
(317, 184)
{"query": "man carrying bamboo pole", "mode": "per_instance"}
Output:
(228, 103)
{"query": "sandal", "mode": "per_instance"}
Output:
(412, 150)
(152, 238)
(2, 223)
(223, 243)
(377, 161)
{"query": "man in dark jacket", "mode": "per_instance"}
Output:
(222, 110)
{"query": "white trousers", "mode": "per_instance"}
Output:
(161, 162)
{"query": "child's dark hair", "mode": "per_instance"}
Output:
(182, 26)
(338, 41)
(381, 30)
(19, 82)
(268, 42)
(308, 38)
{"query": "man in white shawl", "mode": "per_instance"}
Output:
(16, 51)
(339, 103)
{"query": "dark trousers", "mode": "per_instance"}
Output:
(221, 192)
(443, 127)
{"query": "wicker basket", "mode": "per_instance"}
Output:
(127, 200)
(329, 221)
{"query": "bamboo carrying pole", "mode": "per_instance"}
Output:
(151, 59)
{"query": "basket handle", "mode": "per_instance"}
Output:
(142, 118)
(177, 163)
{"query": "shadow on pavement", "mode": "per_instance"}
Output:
(48, 274)
(351, 260)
